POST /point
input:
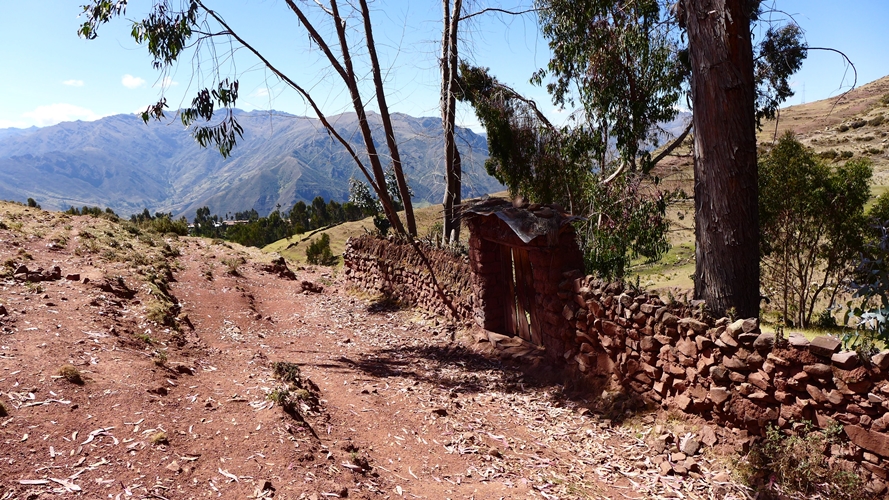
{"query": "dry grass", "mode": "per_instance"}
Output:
(71, 374)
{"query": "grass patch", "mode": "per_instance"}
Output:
(159, 438)
(71, 374)
(797, 463)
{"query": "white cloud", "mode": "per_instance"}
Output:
(59, 112)
(261, 92)
(73, 83)
(132, 82)
(13, 124)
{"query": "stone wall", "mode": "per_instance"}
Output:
(667, 352)
(730, 372)
(395, 269)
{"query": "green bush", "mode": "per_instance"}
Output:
(845, 155)
(858, 123)
(843, 128)
(876, 121)
(319, 252)
(798, 463)
(830, 154)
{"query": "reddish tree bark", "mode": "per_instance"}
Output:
(726, 196)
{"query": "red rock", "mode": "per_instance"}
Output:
(819, 370)
(881, 359)
(845, 360)
(760, 379)
(825, 346)
(875, 442)
(816, 394)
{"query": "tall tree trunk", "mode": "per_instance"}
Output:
(352, 84)
(387, 123)
(726, 196)
(453, 186)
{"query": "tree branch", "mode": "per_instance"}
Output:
(304, 93)
(673, 145)
(501, 11)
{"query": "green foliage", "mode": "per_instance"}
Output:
(876, 121)
(32, 203)
(526, 153)
(781, 54)
(364, 202)
(619, 61)
(319, 253)
(623, 221)
(798, 463)
(811, 223)
(160, 223)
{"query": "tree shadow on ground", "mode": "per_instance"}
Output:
(461, 370)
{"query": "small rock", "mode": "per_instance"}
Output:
(846, 360)
(750, 325)
(708, 436)
(719, 395)
(174, 467)
(764, 342)
(798, 340)
(747, 338)
(819, 370)
(690, 446)
(665, 468)
(825, 346)
(72, 277)
(881, 359)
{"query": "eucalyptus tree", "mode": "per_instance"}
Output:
(628, 63)
(170, 32)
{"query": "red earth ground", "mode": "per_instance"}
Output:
(385, 402)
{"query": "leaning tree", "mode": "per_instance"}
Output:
(169, 33)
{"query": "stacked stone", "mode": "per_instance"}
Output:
(394, 269)
(731, 372)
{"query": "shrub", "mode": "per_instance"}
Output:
(159, 438)
(319, 251)
(875, 151)
(798, 464)
(845, 155)
(830, 154)
(843, 127)
(858, 123)
(876, 121)
(71, 374)
(812, 218)
(885, 99)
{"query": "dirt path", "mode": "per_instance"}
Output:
(406, 407)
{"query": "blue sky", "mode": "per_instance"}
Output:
(51, 75)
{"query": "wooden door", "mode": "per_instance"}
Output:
(521, 305)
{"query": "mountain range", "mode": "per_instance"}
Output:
(122, 163)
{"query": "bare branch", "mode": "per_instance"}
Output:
(303, 92)
(673, 145)
(501, 11)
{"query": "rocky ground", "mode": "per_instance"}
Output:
(148, 366)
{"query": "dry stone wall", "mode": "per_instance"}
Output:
(395, 269)
(731, 372)
(670, 353)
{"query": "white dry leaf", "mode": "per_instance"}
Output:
(68, 485)
(33, 482)
(229, 475)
